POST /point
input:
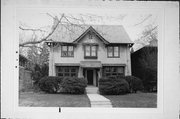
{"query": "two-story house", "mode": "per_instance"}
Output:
(91, 52)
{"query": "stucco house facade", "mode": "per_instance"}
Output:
(89, 51)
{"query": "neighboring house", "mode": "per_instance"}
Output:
(90, 52)
(144, 65)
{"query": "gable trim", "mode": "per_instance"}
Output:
(91, 29)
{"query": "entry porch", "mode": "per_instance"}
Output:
(91, 71)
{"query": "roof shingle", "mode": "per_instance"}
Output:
(111, 33)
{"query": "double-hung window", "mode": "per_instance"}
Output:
(90, 51)
(113, 51)
(67, 51)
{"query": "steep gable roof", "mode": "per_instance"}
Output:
(90, 29)
(107, 33)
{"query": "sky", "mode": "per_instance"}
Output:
(133, 22)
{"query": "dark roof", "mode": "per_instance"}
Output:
(110, 33)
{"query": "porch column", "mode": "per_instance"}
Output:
(100, 71)
(94, 77)
(99, 75)
(51, 64)
(80, 72)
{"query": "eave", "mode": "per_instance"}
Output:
(56, 43)
(116, 44)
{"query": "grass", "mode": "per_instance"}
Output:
(146, 100)
(53, 100)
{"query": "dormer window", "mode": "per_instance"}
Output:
(67, 51)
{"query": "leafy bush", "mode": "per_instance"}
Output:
(39, 72)
(135, 83)
(150, 80)
(74, 85)
(50, 84)
(113, 86)
(144, 66)
(44, 70)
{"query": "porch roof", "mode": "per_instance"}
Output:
(67, 64)
(91, 64)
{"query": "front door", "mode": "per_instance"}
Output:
(90, 77)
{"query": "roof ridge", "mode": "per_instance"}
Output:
(112, 33)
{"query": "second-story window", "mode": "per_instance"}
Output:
(67, 51)
(113, 52)
(90, 51)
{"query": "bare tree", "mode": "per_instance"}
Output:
(66, 21)
(33, 41)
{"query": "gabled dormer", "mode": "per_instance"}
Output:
(90, 44)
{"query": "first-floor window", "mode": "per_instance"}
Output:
(113, 71)
(67, 71)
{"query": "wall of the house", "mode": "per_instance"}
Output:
(55, 55)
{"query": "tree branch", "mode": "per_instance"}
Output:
(28, 29)
(143, 20)
(28, 46)
(45, 38)
(150, 31)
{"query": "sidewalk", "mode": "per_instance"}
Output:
(96, 99)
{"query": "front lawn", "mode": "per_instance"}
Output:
(146, 100)
(53, 100)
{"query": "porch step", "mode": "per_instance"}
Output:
(92, 90)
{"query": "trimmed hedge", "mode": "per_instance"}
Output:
(73, 85)
(50, 84)
(135, 83)
(113, 86)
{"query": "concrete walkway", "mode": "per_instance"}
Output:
(96, 99)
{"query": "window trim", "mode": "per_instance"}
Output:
(90, 57)
(113, 52)
(67, 50)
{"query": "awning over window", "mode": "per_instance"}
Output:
(91, 64)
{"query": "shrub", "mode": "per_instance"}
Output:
(113, 86)
(135, 83)
(73, 85)
(150, 80)
(39, 72)
(50, 84)
(36, 76)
